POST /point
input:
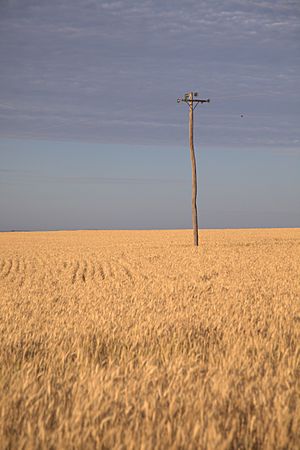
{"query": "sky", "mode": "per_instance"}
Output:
(91, 135)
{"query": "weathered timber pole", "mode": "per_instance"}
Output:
(194, 170)
(193, 103)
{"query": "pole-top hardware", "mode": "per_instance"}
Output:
(191, 101)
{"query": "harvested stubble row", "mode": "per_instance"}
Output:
(135, 339)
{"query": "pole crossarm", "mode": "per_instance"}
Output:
(193, 101)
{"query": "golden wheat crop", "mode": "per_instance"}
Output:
(138, 340)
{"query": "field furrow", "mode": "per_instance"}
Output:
(100, 272)
(75, 271)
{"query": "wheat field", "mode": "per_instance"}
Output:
(138, 340)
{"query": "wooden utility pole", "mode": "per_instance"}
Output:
(193, 103)
(194, 170)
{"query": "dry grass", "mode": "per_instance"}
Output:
(136, 340)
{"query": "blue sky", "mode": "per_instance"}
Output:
(91, 135)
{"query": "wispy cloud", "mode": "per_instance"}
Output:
(18, 176)
(75, 69)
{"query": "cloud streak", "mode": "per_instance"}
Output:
(16, 176)
(76, 69)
